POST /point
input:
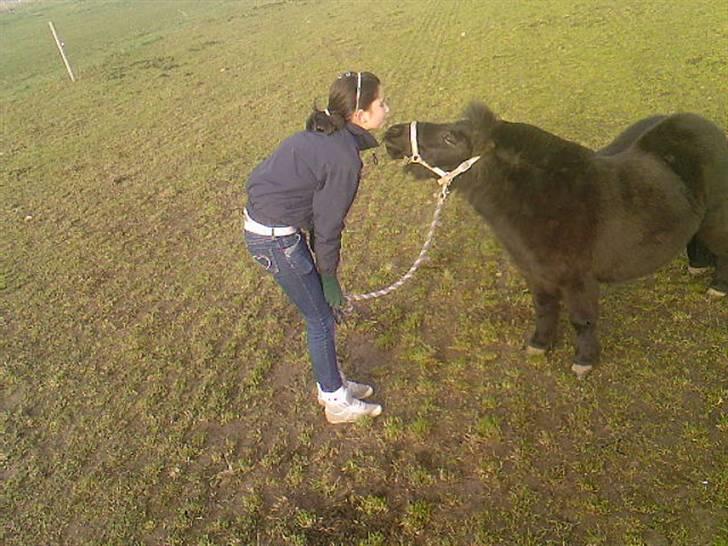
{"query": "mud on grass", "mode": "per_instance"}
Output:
(156, 388)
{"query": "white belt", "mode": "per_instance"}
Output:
(260, 229)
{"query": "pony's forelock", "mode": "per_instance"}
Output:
(483, 121)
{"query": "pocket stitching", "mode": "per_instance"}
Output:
(268, 268)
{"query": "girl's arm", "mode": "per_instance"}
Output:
(331, 203)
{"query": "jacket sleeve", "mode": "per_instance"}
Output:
(331, 203)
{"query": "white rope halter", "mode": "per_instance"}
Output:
(446, 177)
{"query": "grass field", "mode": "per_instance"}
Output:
(155, 387)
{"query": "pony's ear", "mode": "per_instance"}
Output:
(483, 121)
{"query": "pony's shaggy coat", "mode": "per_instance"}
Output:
(572, 218)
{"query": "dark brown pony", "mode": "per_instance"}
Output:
(572, 218)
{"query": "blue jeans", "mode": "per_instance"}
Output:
(289, 260)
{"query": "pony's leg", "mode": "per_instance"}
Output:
(547, 305)
(715, 237)
(699, 257)
(582, 301)
(719, 286)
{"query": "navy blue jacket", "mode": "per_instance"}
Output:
(310, 182)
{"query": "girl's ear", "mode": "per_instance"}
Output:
(359, 117)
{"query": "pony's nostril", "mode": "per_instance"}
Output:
(394, 140)
(394, 132)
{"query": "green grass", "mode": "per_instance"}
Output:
(155, 388)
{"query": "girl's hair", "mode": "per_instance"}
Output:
(350, 92)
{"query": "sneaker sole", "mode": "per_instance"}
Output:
(334, 420)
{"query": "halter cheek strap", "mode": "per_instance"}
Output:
(416, 157)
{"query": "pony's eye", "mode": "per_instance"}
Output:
(449, 138)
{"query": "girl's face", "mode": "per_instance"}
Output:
(374, 116)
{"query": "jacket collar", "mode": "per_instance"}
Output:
(364, 139)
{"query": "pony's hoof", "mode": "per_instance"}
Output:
(715, 293)
(698, 270)
(534, 351)
(581, 370)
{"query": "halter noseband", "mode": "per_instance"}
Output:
(446, 177)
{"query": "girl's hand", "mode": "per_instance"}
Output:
(332, 290)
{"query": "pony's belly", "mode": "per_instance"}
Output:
(635, 243)
(638, 261)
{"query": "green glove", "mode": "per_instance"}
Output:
(332, 290)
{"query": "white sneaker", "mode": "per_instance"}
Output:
(342, 407)
(357, 390)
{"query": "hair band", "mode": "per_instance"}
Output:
(358, 90)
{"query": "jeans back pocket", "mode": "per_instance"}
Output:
(262, 253)
(299, 256)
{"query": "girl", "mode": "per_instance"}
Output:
(308, 185)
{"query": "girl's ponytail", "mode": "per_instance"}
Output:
(324, 121)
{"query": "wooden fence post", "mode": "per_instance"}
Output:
(63, 53)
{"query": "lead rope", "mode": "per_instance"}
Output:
(351, 298)
(444, 181)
